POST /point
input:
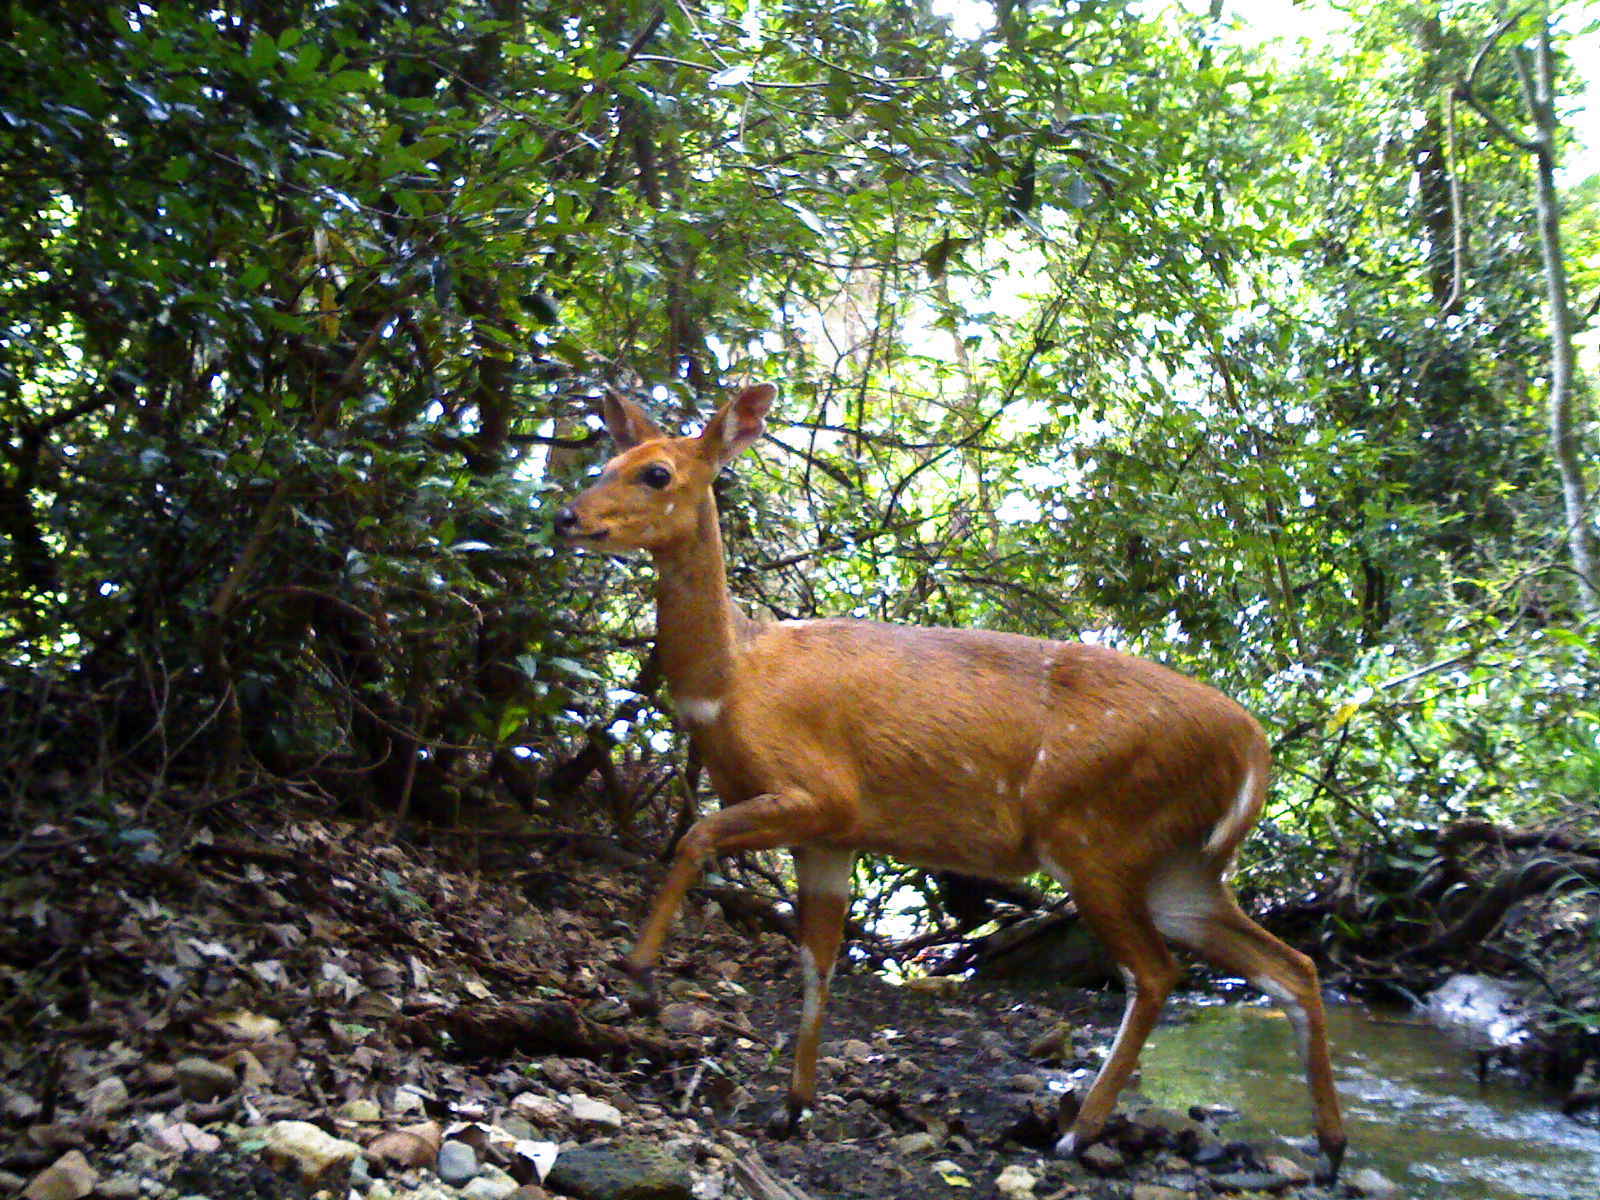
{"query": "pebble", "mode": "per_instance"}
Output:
(107, 1098)
(588, 1111)
(856, 1051)
(1249, 1181)
(202, 1080)
(118, 1187)
(361, 1110)
(1103, 1158)
(1154, 1191)
(70, 1177)
(539, 1109)
(920, 1142)
(491, 1184)
(1373, 1184)
(315, 1152)
(1287, 1167)
(458, 1162)
(684, 1018)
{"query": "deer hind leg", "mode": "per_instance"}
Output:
(765, 822)
(1118, 916)
(823, 884)
(1194, 907)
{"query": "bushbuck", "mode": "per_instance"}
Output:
(986, 753)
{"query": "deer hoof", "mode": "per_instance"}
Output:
(643, 999)
(1333, 1152)
(786, 1118)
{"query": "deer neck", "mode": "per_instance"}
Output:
(697, 622)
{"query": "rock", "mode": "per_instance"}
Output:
(491, 1184)
(1103, 1158)
(920, 1142)
(202, 1080)
(458, 1162)
(70, 1177)
(1287, 1167)
(316, 1153)
(17, 1106)
(687, 1019)
(414, 1146)
(1154, 1191)
(1209, 1153)
(1053, 1045)
(118, 1187)
(1015, 1183)
(1374, 1184)
(106, 1098)
(1167, 1124)
(541, 1110)
(181, 1137)
(588, 1111)
(1249, 1181)
(530, 1191)
(1025, 1083)
(515, 1127)
(361, 1110)
(620, 1171)
(856, 1051)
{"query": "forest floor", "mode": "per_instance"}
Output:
(290, 1006)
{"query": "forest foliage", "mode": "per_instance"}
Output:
(1102, 320)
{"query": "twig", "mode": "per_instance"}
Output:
(752, 1175)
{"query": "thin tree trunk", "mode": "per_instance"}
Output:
(1581, 547)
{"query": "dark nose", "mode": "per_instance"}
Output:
(567, 520)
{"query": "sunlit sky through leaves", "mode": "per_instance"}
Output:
(1286, 23)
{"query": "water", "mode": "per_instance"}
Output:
(1413, 1106)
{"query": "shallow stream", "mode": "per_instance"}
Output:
(1413, 1104)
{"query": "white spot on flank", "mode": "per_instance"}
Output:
(1040, 758)
(672, 507)
(698, 710)
(1237, 819)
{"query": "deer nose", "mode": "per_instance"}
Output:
(567, 520)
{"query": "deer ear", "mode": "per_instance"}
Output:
(738, 423)
(626, 422)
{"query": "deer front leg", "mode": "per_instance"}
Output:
(822, 878)
(767, 822)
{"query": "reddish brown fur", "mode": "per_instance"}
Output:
(982, 752)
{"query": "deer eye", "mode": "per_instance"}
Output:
(656, 476)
